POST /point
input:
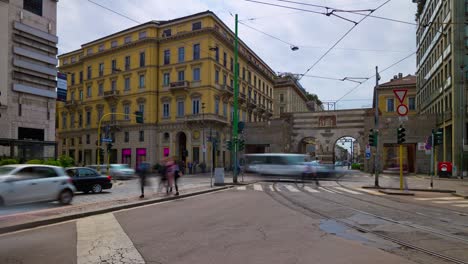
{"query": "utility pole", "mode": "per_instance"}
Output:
(236, 101)
(203, 132)
(376, 121)
(462, 120)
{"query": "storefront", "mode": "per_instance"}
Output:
(127, 156)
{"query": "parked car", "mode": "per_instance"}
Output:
(88, 180)
(24, 183)
(116, 171)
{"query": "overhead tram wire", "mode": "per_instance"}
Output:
(342, 37)
(385, 69)
(271, 36)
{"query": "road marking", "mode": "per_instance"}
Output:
(439, 198)
(101, 239)
(307, 188)
(241, 188)
(323, 189)
(291, 188)
(347, 190)
(369, 191)
(460, 205)
(258, 187)
(271, 188)
(451, 202)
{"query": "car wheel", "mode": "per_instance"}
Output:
(97, 188)
(65, 197)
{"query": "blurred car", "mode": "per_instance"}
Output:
(24, 183)
(315, 168)
(88, 180)
(339, 163)
(116, 171)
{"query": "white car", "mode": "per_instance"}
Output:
(27, 183)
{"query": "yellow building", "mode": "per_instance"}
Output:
(179, 73)
(388, 102)
(289, 95)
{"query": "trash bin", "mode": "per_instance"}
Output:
(219, 176)
(444, 169)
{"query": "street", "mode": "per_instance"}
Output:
(327, 221)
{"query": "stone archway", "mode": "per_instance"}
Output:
(181, 146)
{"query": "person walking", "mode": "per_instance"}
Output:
(170, 171)
(177, 174)
(142, 172)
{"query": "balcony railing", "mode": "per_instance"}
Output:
(205, 118)
(112, 95)
(179, 86)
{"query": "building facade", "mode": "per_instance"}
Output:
(442, 71)
(28, 78)
(180, 74)
(289, 95)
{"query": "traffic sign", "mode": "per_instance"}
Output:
(368, 151)
(106, 140)
(400, 94)
(402, 110)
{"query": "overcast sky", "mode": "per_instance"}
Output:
(373, 42)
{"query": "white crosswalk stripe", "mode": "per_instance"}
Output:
(291, 188)
(258, 187)
(369, 191)
(451, 202)
(271, 188)
(327, 190)
(241, 188)
(347, 190)
(439, 198)
(307, 188)
(460, 205)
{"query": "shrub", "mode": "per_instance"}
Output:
(52, 162)
(65, 161)
(35, 161)
(8, 161)
(356, 166)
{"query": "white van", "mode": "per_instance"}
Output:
(276, 163)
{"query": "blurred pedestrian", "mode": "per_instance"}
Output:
(170, 171)
(177, 173)
(142, 171)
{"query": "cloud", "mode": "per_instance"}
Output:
(374, 42)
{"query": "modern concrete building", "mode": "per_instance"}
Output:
(179, 73)
(442, 64)
(28, 78)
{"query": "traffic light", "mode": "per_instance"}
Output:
(401, 135)
(109, 147)
(139, 117)
(438, 135)
(241, 144)
(229, 144)
(373, 138)
(240, 127)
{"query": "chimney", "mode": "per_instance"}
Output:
(400, 75)
(395, 77)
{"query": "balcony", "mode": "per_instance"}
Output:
(112, 96)
(242, 98)
(204, 118)
(251, 103)
(72, 104)
(182, 86)
(226, 90)
(261, 108)
(115, 125)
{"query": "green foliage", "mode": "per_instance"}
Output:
(8, 161)
(52, 162)
(66, 161)
(356, 166)
(35, 161)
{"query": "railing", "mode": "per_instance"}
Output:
(111, 93)
(205, 117)
(179, 84)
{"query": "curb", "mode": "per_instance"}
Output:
(393, 192)
(8, 229)
(460, 195)
(414, 189)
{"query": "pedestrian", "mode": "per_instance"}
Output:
(162, 176)
(170, 171)
(177, 174)
(142, 171)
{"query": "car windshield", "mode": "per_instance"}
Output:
(120, 166)
(5, 170)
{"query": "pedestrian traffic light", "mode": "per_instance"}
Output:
(438, 135)
(241, 144)
(139, 117)
(373, 138)
(401, 135)
(109, 147)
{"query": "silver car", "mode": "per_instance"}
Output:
(24, 183)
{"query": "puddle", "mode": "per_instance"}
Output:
(340, 230)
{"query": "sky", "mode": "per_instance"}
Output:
(372, 42)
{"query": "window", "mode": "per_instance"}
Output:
(281, 110)
(180, 108)
(243, 73)
(141, 137)
(88, 139)
(81, 95)
(126, 136)
(35, 6)
(88, 118)
(217, 106)
(81, 77)
(196, 74)
(142, 59)
(412, 103)
(141, 108)
(114, 44)
(127, 84)
(196, 106)
(224, 59)
(127, 112)
(72, 120)
(224, 79)
(88, 91)
(101, 47)
(64, 121)
(216, 76)
(167, 57)
(196, 26)
(390, 105)
(127, 63)
(142, 35)
(114, 65)
(100, 89)
(80, 120)
(89, 51)
(128, 39)
(281, 98)
(166, 110)
(181, 76)
(166, 79)
(89, 72)
(167, 33)
(181, 54)
(141, 81)
(100, 113)
(225, 109)
(72, 79)
(232, 64)
(231, 83)
(101, 69)
(217, 54)
(113, 85)
(196, 51)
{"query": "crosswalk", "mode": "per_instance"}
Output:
(449, 200)
(295, 189)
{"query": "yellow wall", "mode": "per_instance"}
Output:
(387, 93)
